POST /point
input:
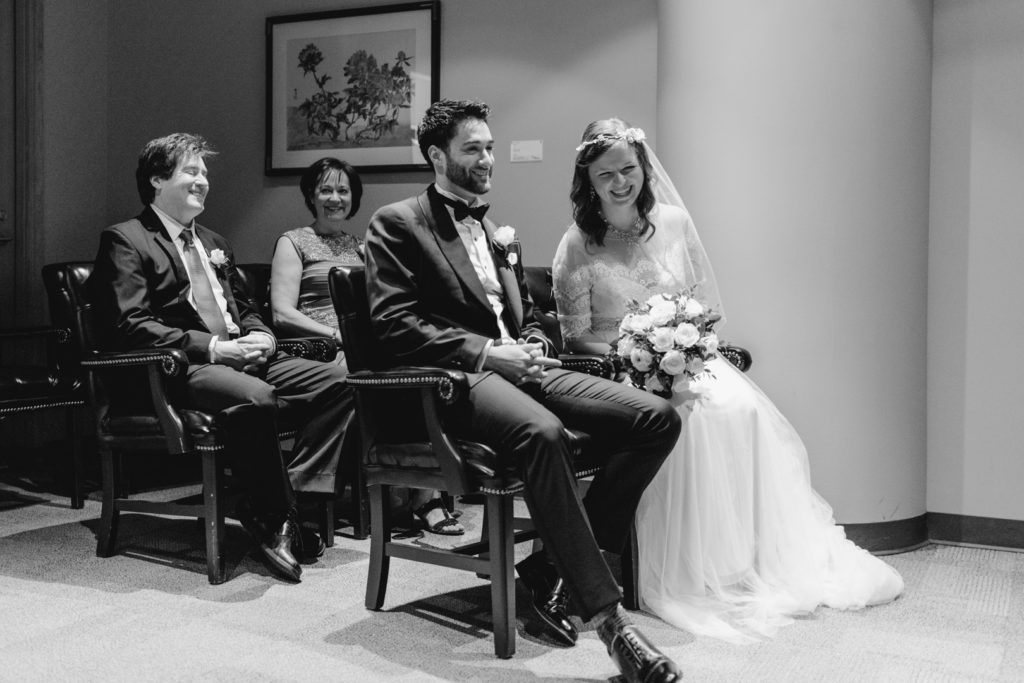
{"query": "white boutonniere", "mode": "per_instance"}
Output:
(504, 238)
(219, 260)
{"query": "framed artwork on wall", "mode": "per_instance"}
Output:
(351, 83)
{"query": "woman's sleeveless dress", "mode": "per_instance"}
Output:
(320, 253)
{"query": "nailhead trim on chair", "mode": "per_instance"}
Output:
(518, 488)
(40, 406)
(170, 367)
(445, 386)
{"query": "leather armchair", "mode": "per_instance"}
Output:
(55, 385)
(406, 441)
(135, 399)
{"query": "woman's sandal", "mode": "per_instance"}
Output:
(444, 527)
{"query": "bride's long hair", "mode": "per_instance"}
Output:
(598, 137)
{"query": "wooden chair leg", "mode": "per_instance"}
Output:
(213, 517)
(106, 535)
(361, 515)
(630, 573)
(75, 457)
(380, 536)
(501, 544)
(325, 512)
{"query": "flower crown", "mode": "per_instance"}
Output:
(630, 135)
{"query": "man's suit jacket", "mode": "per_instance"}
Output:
(426, 301)
(140, 288)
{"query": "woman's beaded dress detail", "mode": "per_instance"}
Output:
(320, 253)
(733, 540)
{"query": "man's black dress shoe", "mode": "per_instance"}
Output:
(550, 600)
(277, 551)
(275, 548)
(307, 545)
(637, 658)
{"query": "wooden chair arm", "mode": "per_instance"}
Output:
(737, 355)
(59, 335)
(599, 366)
(434, 390)
(323, 349)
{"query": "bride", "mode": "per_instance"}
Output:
(733, 540)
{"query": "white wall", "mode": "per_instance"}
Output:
(976, 251)
(546, 68)
(797, 132)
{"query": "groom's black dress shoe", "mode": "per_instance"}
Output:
(307, 545)
(637, 658)
(549, 597)
(275, 547)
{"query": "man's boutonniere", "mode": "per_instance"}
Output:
(219, 261)
(504, 239)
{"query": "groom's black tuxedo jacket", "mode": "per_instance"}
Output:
(426, 300)
(140, 287)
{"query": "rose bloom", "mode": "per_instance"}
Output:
(656, 299)
(710, 343)
(673, 363)
(663, 313)
(217, 257)
(638, 322)
(654, 384)
(625, 347)
(695, 366)
(661, 338)
(686, 335)
(691, 308)
(505, 235)
(641, 359)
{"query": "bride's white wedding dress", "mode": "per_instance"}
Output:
(733, 540)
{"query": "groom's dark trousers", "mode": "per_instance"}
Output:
(429, 308)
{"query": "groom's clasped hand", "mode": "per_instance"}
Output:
(520, 362)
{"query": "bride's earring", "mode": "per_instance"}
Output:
(593, 193)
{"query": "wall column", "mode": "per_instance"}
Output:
(797, 132)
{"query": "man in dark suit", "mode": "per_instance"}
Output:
(443, 292)
(162, 281)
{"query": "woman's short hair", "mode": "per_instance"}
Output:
(161, 156)
(441, 122)
(598, 137)
(311, 178)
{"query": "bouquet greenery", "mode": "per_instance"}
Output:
(665, 342)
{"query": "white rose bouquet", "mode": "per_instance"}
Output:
(664, 342)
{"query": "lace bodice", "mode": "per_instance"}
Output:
(593, 284)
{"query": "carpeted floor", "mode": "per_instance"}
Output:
(149, 614)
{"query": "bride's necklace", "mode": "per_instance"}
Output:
(627, 236)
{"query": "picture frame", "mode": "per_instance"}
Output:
(351, 83)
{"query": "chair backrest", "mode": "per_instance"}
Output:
(539, 283)
(255, 277)
(348, 291)
(70, 306)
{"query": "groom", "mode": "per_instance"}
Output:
(442, 294)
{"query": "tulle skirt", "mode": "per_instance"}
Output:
(733, 540)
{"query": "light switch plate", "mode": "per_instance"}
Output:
(527, 150)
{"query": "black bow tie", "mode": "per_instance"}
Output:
(461, 209)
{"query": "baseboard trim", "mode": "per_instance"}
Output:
(984, 531)
(883, 538)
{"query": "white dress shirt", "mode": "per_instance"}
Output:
(174, 229)
(474, 238)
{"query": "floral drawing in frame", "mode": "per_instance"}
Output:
(351, 83)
